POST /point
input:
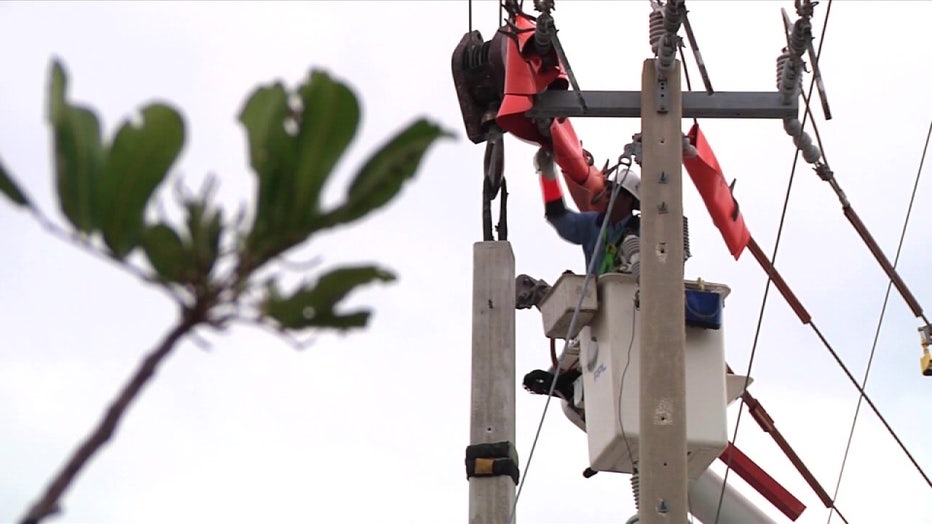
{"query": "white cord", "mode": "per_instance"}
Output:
(621, 387)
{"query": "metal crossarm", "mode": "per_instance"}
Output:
(627, 104)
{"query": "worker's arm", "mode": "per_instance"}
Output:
(570, 225)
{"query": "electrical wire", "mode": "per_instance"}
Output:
(470, 15)
(689, 84)
(621, 386)
(870, 403)
(773, 259)
(860, 388)
(883, 310)
(907, 296)
(590, 272)
(863, 394)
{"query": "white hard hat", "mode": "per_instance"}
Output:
(630, 181)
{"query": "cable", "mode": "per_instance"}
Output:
(689, 84)
(553, 353)
(888, 269)
(590, 271)
(621, 387)
(894, 279)
(470, 15)
(773, 259)
(826, 174)
(849, 212)
(870, 403)
(883, 310)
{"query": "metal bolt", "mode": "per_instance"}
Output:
(663, 507)
(663, 177)
(662, 208)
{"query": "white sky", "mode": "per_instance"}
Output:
(371, 427)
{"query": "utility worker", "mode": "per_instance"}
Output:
(583, 228)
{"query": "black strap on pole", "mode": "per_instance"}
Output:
(492, 460)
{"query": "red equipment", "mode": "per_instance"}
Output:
(710, 181)
(528, 74)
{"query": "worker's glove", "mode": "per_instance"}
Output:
(543, 164)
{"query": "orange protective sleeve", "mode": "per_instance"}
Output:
(550, 188)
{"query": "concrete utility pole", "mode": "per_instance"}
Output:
(662, 460)
(492, 421)
(662, 464)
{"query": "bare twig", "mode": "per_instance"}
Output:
(300, 266)
(268, 327)
(49, 503)
(72, 238)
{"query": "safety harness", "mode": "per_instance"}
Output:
(611, 251)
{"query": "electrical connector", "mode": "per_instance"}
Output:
(925, 361)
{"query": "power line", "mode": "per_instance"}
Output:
(470, 15)
(894, 279)
(870, 403)
(773, 258)
(883, 311)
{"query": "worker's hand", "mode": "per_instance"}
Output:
(543, 164)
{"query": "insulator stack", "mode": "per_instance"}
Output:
(664, 24)
(673, 16)
(788, 80)
(800, 37)
(631, 249)
(781, 64)
(794, 128)
(656, 29)
(544, 33)
(789, 83)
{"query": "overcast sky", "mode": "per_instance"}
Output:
(371, 427)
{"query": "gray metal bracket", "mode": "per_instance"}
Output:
(696, 104)
(661, 95)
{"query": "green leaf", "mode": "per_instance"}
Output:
(383, 175)
(328, 123)
(313, 306)
(293, 151)
(79, 154)
(272, 156)
(138, 162)
(205, 224)
(9, 188)
(166, 252)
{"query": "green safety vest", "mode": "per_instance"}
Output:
(611, 251)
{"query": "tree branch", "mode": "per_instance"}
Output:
(71, 238)
(49, 503)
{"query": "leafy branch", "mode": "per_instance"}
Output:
(208, 264)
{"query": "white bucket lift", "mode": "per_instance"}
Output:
(608, 332)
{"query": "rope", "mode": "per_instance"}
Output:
(556, 372)
(883, 310)
(773, 258)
